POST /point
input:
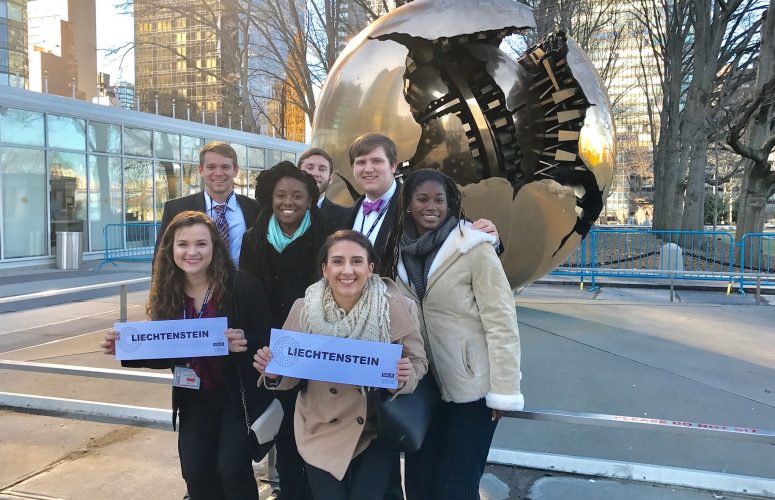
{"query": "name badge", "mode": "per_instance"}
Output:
(185, 377)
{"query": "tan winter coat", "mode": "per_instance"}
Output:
(469, 322)
(331, 424)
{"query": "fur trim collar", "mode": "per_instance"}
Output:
(461, 240)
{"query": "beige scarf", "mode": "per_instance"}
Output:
(369, 319)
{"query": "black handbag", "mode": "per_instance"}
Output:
(403, 421)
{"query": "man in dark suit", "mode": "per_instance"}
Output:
(233, 213)
(317, 163)
(374, 161)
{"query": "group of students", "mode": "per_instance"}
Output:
(404, 265)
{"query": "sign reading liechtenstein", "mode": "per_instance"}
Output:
(180, 338)
(334, 359)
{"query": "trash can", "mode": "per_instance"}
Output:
(69, 250)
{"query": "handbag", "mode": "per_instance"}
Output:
(403, 420)
(258, 450)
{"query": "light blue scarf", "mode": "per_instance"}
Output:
(278, 239)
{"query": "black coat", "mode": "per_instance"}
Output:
(336, 216)
(246, 307)
(196, 202)
(287, 275)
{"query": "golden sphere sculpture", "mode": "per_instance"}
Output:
(531, 142)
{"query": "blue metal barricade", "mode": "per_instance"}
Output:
(132, 241)
(642, 254)
(757, 257)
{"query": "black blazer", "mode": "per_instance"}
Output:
(389, 219)
(335, 215)
(196, 202)
(246, 307)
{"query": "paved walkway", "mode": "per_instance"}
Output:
(705, 358)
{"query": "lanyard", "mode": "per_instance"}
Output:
(213, 204)
(204, 305)
(376, 221)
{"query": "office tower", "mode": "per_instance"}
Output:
(63, 47)
(185, 50)
(14, 69)
(621, 52)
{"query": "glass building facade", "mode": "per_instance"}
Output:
(68, 165)
(14, 69)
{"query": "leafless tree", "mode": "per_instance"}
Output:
(752, 135)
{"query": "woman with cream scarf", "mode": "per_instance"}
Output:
(334, 425)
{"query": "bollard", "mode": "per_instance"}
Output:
(122, 307)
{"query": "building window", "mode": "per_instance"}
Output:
(105, 203)
(137, 142)
(23, 181)
(66, 132)
(19, 126)
(166, 145)
(68, 188)
(138, 189)
(104, 138)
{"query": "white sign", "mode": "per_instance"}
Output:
(334, 359)
(179, 338)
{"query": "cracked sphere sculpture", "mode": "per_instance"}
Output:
(531, 142)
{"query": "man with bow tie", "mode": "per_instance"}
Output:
(374, 161)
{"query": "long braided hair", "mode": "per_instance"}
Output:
(255, 245)
(169, 281)
(388, 265)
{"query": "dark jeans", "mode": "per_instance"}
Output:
(451, 461)
(365, 479)
(213, 447)
(290, 465)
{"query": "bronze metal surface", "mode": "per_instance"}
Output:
(531, 142)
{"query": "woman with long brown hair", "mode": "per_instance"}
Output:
(193, 277)
(335, 424)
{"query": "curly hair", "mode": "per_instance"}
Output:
(255, 245)
(389, 263)
(168, 281)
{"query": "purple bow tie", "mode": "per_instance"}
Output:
(371, 206)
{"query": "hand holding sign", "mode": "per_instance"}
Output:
(261, 359)
(109, 344)
(237, 341)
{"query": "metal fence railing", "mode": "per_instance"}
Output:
(679, 255)
(132, 241)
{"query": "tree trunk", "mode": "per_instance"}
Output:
(750, 217)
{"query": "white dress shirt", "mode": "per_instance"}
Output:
(370, 224)
(236, 220)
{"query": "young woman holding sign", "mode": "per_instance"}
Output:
(335, 429)
(281, 251)
(193, 277)
(469, 324)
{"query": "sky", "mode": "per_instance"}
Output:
(114, 29)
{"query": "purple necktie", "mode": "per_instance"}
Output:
(371, 206)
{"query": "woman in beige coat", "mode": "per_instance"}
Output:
(334, 425)
(469, 324)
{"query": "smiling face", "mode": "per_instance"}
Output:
(319, 168)
(374, 173)
(218, 172)
(192, 249)
(290, 201)
(428, 206)
(347, 268)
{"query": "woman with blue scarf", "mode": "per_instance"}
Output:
(281, 251)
